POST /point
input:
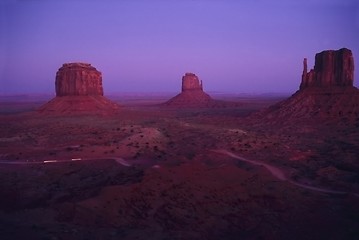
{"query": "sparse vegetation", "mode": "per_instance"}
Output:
(173, 179)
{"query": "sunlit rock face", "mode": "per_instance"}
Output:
(78, 79)
(192, 94)
(332, 68)
(79, 90)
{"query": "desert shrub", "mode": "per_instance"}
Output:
(247, 145)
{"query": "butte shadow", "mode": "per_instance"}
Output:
(193, 96)
(79, 91)
(326, 94)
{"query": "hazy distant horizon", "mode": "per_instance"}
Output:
(147, 46)
(151, 93)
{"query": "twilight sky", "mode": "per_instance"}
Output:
(146, 46)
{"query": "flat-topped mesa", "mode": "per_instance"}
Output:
(332, 68)
(191, 82)
(79, 91)
(78, 79)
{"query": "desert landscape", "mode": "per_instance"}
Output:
(187, 166)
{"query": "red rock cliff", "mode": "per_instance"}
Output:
(78, 79)
(191, 82)
(332, 68)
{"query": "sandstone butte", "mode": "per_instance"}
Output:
(326, 93)
(78, 79)
(79, 90)
(332, 68)
(192, 94)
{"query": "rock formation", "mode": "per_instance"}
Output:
(78, 79)
(326, 93)
(192, 94)
(332, 68)
(79, 90)
(190, 82)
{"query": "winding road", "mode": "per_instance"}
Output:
(121, 161)
(279, 174)
(275, 171)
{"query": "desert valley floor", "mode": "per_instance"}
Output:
(153, 172)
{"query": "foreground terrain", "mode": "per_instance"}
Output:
(151, 172)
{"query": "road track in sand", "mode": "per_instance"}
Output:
(279, 174)
(121, 161)
(275, 171)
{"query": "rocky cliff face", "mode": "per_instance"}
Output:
(332, 68)
(79, 90)
(78, 79)
(326, 95)
(191, 82)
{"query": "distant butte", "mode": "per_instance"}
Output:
(190, 82)
(79, 90)
(326, 93)
(192, 94)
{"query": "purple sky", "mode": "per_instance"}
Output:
(146, 46)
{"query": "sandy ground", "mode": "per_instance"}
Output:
(152, 174)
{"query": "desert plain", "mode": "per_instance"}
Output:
(149, 171)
